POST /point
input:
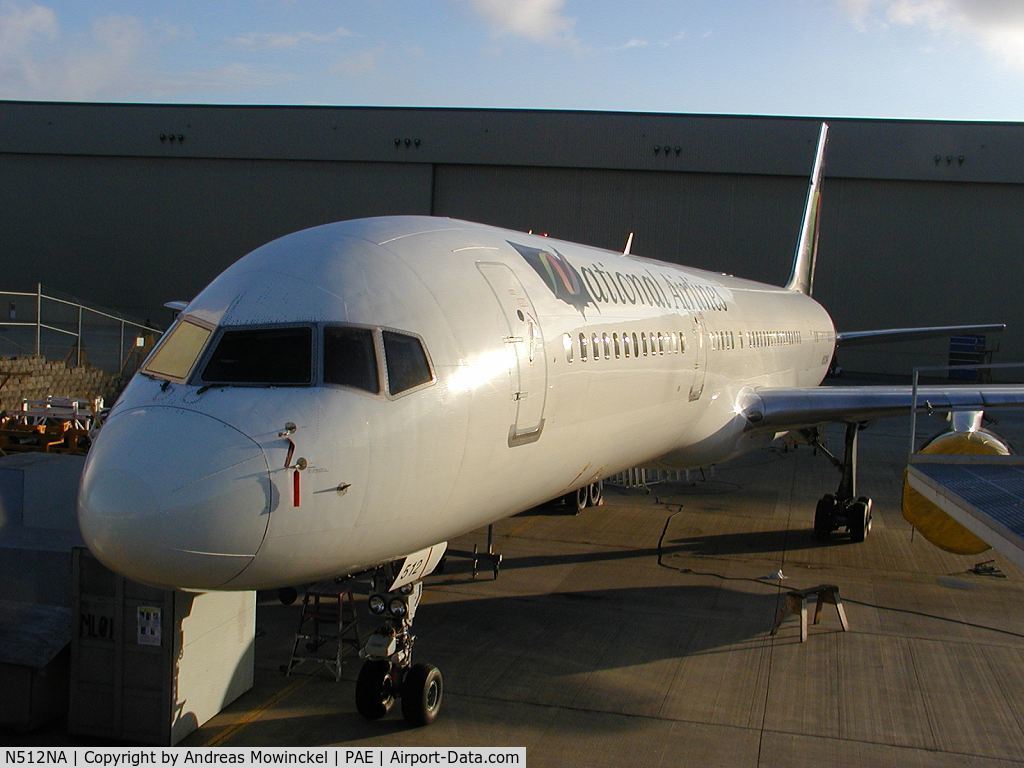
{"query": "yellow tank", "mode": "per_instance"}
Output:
(934, 524)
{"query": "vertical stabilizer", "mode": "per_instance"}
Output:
(802, 277)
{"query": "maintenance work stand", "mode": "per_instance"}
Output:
(328, 627)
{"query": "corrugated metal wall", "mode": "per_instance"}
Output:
(132, 233)
(897, 253)
(753, 219)
(133, 205)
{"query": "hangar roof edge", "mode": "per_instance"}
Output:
(875, 148)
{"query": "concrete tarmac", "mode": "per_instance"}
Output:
(594, 647)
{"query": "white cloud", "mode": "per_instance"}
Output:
(640, 42)
(171, 32)
(542, 21)
(114, 60)
(286, 40)
(36, 62)
(359, 63)
(22, 29)
(858, 10)
(228, 78)
(107, 68)
(21, 26)
(995, 25)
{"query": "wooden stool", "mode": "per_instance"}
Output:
(796, 604)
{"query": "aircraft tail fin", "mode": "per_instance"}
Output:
(802, 277)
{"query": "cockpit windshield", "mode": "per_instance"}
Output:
(350, 358)
(406, 362)
(284, 355)
(178, 351)
(262, 356)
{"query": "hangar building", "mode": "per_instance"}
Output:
(130, 206)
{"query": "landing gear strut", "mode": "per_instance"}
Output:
(844, 508)
(494, 557)
(388, 673)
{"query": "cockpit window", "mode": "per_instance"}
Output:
(406, 361)
(262, 356)
(179, 351)
(350, 358)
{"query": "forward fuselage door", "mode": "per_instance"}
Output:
(526, 342)
(700, 355)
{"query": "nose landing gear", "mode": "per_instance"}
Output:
(422, 693)
(388, 673)
(375, 689)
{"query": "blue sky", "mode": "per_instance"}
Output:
(951, 59)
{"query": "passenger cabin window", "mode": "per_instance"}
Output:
(261, 356)
(179, 351)
(350, 359)
(406, 362)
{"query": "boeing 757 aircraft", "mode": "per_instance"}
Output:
(346, 399)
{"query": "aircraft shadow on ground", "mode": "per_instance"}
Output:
(564, 652)
(459, 561)
(752, 542)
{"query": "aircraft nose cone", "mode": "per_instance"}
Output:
(174, 498)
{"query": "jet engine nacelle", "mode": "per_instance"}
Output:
(966, 437)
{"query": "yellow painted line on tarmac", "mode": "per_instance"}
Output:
(227, 733)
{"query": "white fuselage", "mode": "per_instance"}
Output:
(187, 484)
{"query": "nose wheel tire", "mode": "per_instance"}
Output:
(422, 694)
(375, 693)
(595, 493)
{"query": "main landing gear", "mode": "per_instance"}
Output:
(844, 508)
(388, 673)
(591, 495)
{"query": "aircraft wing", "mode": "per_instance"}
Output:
(886, 335)
(782, 408)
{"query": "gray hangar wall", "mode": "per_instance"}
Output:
(133, 205)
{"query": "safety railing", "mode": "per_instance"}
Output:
(45, 324)
(645, 477)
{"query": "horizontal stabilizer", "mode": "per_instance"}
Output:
(177, 306)
(887, 335)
